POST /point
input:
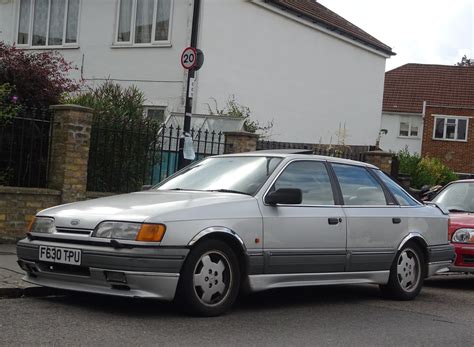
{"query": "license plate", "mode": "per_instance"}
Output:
(60, 255)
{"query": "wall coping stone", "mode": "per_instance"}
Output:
(94, 195)
(30, 191)
(240, 133)
(71, 107)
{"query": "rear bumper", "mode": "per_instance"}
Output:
(147, 272)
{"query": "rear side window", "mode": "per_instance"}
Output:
(402, 197)
(313, 180)
(358, 186)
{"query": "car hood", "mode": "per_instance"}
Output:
(461, 220)
(152, 207)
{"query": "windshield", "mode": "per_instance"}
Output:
(243, 175)
(457, 197)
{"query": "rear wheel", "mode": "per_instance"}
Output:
(406, 274)
(210, 279)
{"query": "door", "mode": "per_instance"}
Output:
(374, 221)
(309, 237)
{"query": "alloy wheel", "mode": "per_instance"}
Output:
(212, 278)
(408, 270)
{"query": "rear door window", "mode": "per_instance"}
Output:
(358, 186)
(402, 197)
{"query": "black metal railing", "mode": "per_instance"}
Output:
(126, 155)
(25, 142)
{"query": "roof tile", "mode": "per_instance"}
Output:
(407, 86)
(332, 21)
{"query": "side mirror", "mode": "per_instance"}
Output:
(287, 196)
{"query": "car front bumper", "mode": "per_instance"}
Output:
(464, 257)
(145, 272)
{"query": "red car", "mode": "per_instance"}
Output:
(458, 198)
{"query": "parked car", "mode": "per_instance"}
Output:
(251, 221)
(458, 198)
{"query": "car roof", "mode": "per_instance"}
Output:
(289, 154)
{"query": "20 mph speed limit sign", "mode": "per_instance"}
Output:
(189, 58)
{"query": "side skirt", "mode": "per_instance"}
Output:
(269, 281)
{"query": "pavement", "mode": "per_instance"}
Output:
(11, 283)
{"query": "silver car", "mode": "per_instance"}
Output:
(250, 221)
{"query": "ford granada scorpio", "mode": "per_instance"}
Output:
(246, 222)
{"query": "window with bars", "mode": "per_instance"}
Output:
(43, 23)
(144, 22)
(451, 128)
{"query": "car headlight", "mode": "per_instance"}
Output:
(130, 231)
(42, 225)
(463, 235)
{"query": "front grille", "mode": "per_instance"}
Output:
(64, 269)
(73, 231)
(468, 259)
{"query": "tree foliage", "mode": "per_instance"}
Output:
(39, 79)
(465, 61)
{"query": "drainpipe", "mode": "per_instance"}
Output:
(189, 100)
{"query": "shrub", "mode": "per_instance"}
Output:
(39, 79)
(121, 137)
(431, 171)
(9, 106)
(424, 171)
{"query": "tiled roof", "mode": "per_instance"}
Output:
(407, 86)
(314, 11)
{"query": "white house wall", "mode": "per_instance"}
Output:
(392, 141)
(155, 70)
(306, 81)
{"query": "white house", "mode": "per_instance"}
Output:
(293, 62)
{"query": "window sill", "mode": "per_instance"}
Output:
(46, 48)
(409, 137)
(449, 140)
(147, 45)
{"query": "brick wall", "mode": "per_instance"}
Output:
(19, 205)
(459, 156)
(239, 142)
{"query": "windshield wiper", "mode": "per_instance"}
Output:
(228, 191)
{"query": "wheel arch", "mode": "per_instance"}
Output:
(420, 241)
(231, 238)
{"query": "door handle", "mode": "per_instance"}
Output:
(396, 220)
(334, 221)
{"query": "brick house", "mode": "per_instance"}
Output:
(430, 110)
(449, 135)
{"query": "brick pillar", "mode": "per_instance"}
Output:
(70, 151)
(381, 159)
(240, 141)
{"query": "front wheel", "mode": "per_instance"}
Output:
(210, 279)
(406, 274)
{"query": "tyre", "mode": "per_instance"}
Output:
(210, 279)
(407, 274)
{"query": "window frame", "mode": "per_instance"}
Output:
(146, 108)
(131, 43)
(390, 200)
(30, 45)
(410, 124)
(446, 117)
(334, 187)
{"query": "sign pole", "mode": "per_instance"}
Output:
(182, 162)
